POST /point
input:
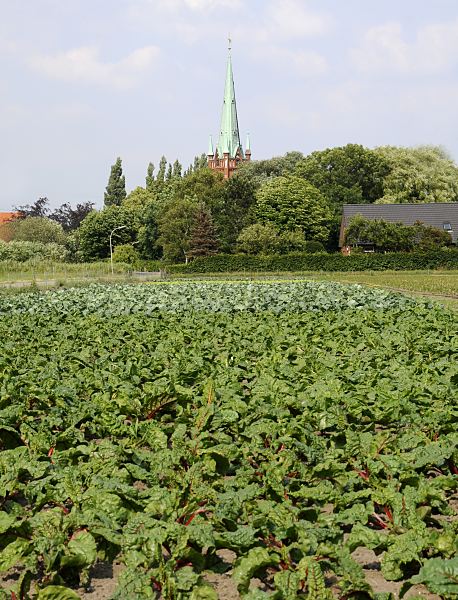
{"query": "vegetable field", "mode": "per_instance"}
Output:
(254, 441)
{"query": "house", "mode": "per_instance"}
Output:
(6, 217)
(441, 215)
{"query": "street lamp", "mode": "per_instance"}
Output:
(111, 245)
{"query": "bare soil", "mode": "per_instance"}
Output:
(105, 575)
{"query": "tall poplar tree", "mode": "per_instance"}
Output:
(177, 168)
(162, 168)
(115, 191)
(150, 177)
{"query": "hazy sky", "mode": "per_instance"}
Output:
(85, 81)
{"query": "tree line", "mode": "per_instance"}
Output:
(277, 206)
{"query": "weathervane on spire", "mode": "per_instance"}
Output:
(229, 40)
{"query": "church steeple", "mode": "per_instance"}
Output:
(229, 136)
(229, 151)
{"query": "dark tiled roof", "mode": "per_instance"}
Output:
(434, 214)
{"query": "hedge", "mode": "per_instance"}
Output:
(223, 263)
(22, 251)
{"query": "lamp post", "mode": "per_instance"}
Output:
(111, 245)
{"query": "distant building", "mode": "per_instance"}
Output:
(6, 217)
(228, 153)
(442, 215)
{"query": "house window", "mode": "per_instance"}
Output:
(447, 226)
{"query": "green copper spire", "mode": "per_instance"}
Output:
(210, 152)
(229, 137)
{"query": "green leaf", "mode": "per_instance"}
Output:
(440, 576)
(246, 567)
(12, 554)
(203, 592)
(186, 579)
(6, 521)
(81, 551)
(405, 549)
(57, 592)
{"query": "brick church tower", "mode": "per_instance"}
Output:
(229, 153)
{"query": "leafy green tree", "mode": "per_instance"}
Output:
(232, 211)
(261, 170)
(200, 162)
(138, 199)
(430, 238)
(37, 229)
(423, 174)
(394, 237)
(203, 240)
(116, 189)
(258, 239)
(205, 185)
(266, 239)
(351, 174)
(176, 169)
(291, 203)
(94, 232)
(162, 169)
(126, 253)
(148, 233)
(175, 225)
(293, 241)
(150, 177)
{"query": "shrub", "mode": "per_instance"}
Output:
(439, 259)
(257, 239)
(126, 253)
(395, 237)
(37, 229)
(28, 251)
(267, 240)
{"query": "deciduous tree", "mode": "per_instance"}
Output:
(116, 189)
(350, 174)
(37, 229)
(423, 174)
(175, 224)
(150, 177)
(291, 203)
(70, 218)
(40, 208)
(93, 235)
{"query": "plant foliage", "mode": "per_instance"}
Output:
(289, 437)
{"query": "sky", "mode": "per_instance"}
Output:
(85, 81)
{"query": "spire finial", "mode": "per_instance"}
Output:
(229, 43)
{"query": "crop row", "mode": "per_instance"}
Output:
(290, 440)
(208, 297)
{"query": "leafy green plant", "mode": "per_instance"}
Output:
(290, 437)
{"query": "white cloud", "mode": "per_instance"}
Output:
(194, 5)
(83, 65)
(208, 4)
(292, 19)
(303, 62)
(434, 49)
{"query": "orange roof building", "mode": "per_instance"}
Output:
(7, 216)
(5, 231)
